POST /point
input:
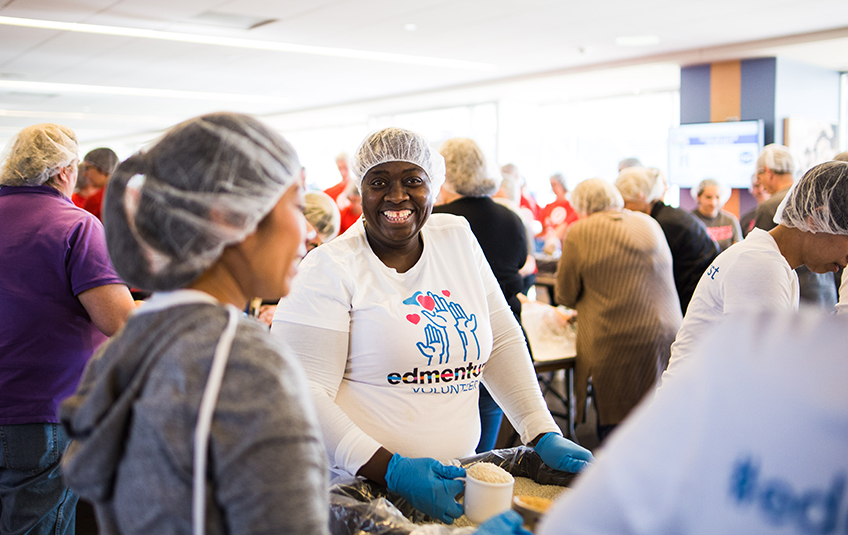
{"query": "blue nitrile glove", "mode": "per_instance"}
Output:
(563, 454)
(506, 523)
(428, 485)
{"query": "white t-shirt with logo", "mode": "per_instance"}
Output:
(419, 343)
(749, 276)
(750, 437)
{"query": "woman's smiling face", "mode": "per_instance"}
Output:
(396, 203)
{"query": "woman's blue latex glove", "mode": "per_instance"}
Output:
(563, 454)
(506, 523)
(428, 485)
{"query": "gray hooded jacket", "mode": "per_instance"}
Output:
(132, 423)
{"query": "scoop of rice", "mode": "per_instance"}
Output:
(535, 502)
(489, 473)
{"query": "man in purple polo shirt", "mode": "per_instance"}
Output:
(59, 299)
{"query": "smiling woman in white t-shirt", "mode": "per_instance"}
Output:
(397, 321)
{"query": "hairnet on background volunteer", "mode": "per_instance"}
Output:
(172, 209)
(322, 213)
(36, 153)
(819, 201)
(399, 145)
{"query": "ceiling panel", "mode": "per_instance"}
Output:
(17, 41)
(155, 14)
(523, 40)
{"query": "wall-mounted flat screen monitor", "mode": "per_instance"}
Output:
(726, 152)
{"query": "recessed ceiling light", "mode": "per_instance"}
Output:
(230, 20)
(41, 87)
(247, 43)
(637, 40)
(410, 27)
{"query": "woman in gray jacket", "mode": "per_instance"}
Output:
(193, 418)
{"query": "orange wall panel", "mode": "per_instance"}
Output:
(725, 91)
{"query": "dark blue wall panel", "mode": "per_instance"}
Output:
(695, 94)
(759, 79)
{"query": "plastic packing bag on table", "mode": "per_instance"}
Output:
(351, 515)
(522, 461)
(549, 328)
(358, 506)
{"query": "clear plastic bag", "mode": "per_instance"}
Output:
(551, 331)
(358, 506)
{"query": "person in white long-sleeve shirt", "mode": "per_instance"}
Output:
(757, 273)
(751, 437)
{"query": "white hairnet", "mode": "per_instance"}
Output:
(171, 210)
(819, 201)
(323, 214)
(36, 153)
(596, 195)
(399, 145)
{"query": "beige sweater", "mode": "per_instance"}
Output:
(616, 271)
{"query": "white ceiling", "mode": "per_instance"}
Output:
(522, 44)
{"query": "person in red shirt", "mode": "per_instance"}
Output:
(557, 215)
(344, 169)
(83, 190)
(98, 166)
(352, 210)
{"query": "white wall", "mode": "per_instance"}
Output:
(580, 124)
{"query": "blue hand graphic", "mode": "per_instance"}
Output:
(440, 318)
(441, 303)
(465, 325)
(435, 344)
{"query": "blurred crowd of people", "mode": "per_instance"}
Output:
(394, 303)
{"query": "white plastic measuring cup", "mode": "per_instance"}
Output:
(484, 500)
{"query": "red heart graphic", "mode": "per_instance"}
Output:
(446, 293)
(413, 318)
(427, 302)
